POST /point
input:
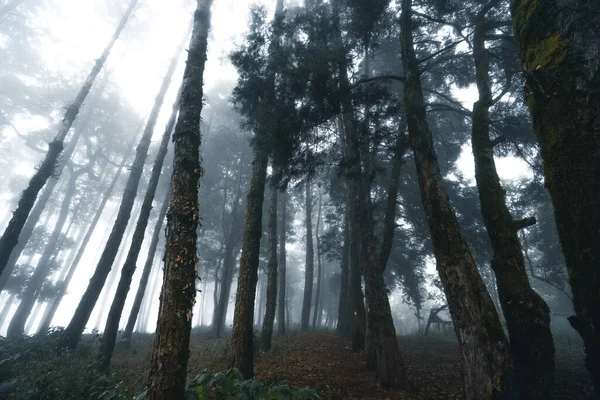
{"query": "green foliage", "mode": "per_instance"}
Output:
(232, 385)
(32, 368)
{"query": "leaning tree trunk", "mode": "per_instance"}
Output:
(64, 285)
(232, 242)
(10, 237)
(267, 329)
(109, 336)
(6, 308)
(317, 309)
(16, 326)
(77, 325)
(390, 367)
(42, 201)
(282, 267)
(560, 51)
(488, 370)
(139, 296)
(242, 338)
(344, 320)
(309, 265)
(527, 315)
(171, 345)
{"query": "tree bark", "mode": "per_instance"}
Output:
(267, 329)
(317, 309)
(6, 308)
(309, 265)
(527, 315)
(171, 345)
(344, 320)
(139, 296)
(559, 51)
(109, 336)
(76, 327)
(10, 237)
(281, 311)
(488, 370)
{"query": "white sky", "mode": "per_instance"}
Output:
(138, 63)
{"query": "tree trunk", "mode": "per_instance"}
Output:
(344, 320)
(171, 345)
(282, 267)
(488, 370)
(317, 309)
(356, 297)
(64, 285)
(559, 51)
(310, 259)
(109, 337)
(526, 313)
(390, 367)
(139, 296)
(232, 241)
(42, 270)
(33, 316)
(6, 308)
(10, 237)
(267, 329)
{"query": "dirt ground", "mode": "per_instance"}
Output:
(325, 363)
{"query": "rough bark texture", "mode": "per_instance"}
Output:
(390, 367)
(560, 52)
(109, 336)
(281, 311)
(344, 321)
(267, 329)
(139, 296)
(317, 310)
(10, 237)
(232, 238)
(527, 315)
(242, 338)
(171, 345)
(488, 370)
(309, 265)
(17, 324)
(356, 302)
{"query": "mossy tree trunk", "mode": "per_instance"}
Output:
(527, 315)
(488, 370)
(560, 54)
(267, 329)
(10, 237)
(309, 265)
(171, 351)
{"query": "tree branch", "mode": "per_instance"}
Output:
(524, 223)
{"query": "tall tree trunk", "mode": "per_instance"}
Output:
(309, 265)
(488, 370)
(344, 320)
(64, 284)
(559, 51)
(171, 345)
(356, 301)
(42, 201)
(35, 311)
(242, 338)
(317, 309)
(109, 336)
(527, 315)
(139, 296)
(77, 325)
(150, 295)
(10, 237)
(282, 266)
(42, 270)
(390, 367)
(232, 238)
(268, 321)
(6, 308)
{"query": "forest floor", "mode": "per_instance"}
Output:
(325, 363)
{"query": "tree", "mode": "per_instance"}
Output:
(11, 234)
(344, 320)
(562, 84)
(267, 329)
(488, 369)
(527, 315)
(318, 307)
(310, 259)
(171, 345)
(73, 332)
(282, 265)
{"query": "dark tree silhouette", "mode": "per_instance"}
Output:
(267, 329)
